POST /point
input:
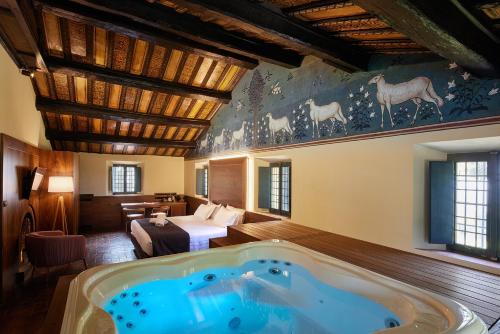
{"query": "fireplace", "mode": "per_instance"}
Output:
(28, 225)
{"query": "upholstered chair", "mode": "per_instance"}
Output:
(54, 248)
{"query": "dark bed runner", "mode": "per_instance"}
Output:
(167, 239)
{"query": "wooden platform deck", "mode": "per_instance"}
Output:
(477, 290)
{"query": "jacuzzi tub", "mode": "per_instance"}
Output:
(260, 287)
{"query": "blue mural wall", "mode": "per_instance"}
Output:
(274, 106)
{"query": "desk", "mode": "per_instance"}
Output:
(176, 208)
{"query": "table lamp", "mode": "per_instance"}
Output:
(61, 184)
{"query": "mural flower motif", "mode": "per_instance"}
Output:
(493, 91)
(359, 112)
(452, 65)
(451, 84)
(469, 94)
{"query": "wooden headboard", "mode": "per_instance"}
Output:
(227, 181)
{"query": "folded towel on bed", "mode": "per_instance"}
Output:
(166, 239)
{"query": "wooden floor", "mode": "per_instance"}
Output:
(477, 290)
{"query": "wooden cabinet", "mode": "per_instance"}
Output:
(177, 208)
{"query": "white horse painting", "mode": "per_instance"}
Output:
(417, 89)
(238, 136)
(203, 145)
(219, 141)
(332, 111)
(277, 125)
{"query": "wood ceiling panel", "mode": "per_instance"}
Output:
(158, 102)
(170, 132)
(96, 125)
(100, 46)
(188, 68)
(203, 72)
(52, 33)
(61, 86)
(150, 150)
(139, 56)
(195, 109)
(160, 151)
(130, 149)
(95, 148)
(377, 34)
(160, 130)
(51, 121)
(80, 89)
(99, 92)
(183, 107)
(114, 96)
(170, 151)
(144, 101)
(181, 133)
(120, 52)
(190, 135)
(111, 127)
(118, 148)
(156, 61)
(42, 84)
(77, 38)
(130, 98)
(136, 129)
(148, 131)
(67, 122)
(124, 126)
(173, 65)
(14, 33)
(82, 124)
(172, 105)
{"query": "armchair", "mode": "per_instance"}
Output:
(54, 248)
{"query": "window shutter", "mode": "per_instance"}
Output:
(110, 179)
(138, 179)
(442, 201)
(264, 187)
(200, 180)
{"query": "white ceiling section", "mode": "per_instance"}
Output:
(466, 145)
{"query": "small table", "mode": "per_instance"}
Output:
(147, 206)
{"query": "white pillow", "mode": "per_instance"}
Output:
(216, 209)
(204, 211)
(225, 217)
(241, 213)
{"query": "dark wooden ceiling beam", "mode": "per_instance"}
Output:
(76, 109)
(25, 17)
(454, 37)
(187, 28)
(126, 79)
(315, 5)
(117, 24)
(289, 31)
(116, 140)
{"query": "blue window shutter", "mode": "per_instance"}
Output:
(138, 179)
(442, 201)
(200, 178)
(264, 187)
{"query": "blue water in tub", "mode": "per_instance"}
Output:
(265, 296)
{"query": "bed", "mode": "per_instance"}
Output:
(199, 230)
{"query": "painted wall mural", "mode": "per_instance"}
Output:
(274, 106)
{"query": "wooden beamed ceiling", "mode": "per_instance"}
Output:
(146, 76)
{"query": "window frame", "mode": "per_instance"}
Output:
(280, 211)
(125, 192)
(492, 250)
(205, 182)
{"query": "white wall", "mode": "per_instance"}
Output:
(372, 190)
(18, 115)
(159, 174)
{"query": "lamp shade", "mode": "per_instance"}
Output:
(61, 184)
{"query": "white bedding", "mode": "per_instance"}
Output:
(199, 232)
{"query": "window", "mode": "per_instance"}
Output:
(275, 188)
(202, 182)
(125, 179)
(464, 205)
(471, 203)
